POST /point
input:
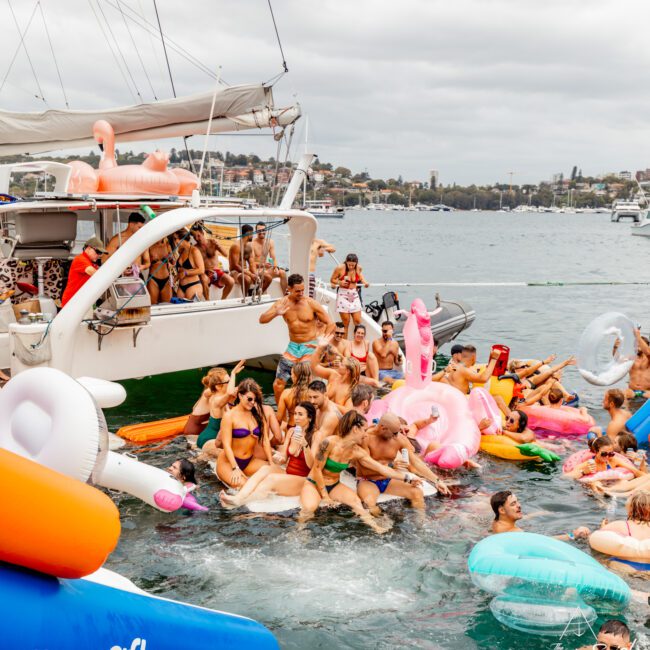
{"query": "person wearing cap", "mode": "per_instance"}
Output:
(143, 261)
(82, 267)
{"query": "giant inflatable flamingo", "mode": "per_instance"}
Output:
(455, 434)
(151, 177)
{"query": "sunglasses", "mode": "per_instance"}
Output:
(605, 646)
(511, 420)
(608, 454)
(250, 400)
(98, 251)
(339, 333)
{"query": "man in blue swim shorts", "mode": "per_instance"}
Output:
(389, 355)
(384, 443)
(304, 317)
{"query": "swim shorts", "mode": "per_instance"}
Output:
(215, 278)
(393, 374)
(381, 483)
(294, 353)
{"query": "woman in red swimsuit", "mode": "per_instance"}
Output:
(269, 479)
(347, 279)
(361, 351)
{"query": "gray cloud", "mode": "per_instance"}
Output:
(474, 88)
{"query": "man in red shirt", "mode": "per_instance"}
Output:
(82, 267)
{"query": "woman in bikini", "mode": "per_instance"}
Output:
(220, 388)
(290, 397)
(241, 428)
(335, 453)
(190, 267)
(159, 283)
(270, 479)
(341, 379)
(346, 279)
(360, 350)
(604, 458)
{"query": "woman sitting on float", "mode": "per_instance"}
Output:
(603, 463)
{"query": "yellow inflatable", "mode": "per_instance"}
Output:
(398, 383)
(501, 387)
(503, 447)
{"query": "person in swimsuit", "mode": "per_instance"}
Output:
(220, 390)
(346, 279)
(317, 249)
(507, 512)
(604, 458)
(339, 342)
(135, 222)
(360, 350)
(241, 260)
(303, 317)
(328, 415)
(335, 454)
(460, 376)
(639, 385)
(159, 282)
(300, 378)
(241, 428)
(264, 252)
(388, 354)
(270, 479)
(189, 267)
(211, 249)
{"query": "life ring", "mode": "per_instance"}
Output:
(525, 568)
(564, 421)
(622, 547)
(590, 363)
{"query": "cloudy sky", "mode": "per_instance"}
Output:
(473, 88)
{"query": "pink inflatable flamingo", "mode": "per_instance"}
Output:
(455, 433)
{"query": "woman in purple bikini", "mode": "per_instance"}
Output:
(241, 428)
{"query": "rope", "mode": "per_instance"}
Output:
(169, 69)
(119, 49)
(277, 35)
(110, 47)
(56, 63)
(154, 54)
(24, 45)
(137, 51)
(13, 59)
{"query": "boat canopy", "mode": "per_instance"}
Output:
(235, 108)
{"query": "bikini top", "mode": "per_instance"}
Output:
(362, 359)
(243, 433)
(185, 264)
(334, 467)
(357, 279)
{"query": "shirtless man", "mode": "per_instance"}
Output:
(460, 376)
(210, 248)
(327, 414)
(507, 512)
(263, 249)
(302, 316)
(457, 353)
(384, 443)
(249, 269)
(317, 249)
(639, 385)
(135, 222)
(613, 402)
(340, 343)
(388, 354)
(361, 398)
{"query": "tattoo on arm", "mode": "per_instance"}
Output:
(322, 450)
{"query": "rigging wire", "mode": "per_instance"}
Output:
(13, 59)
(56, 63)
(154, 52)
(119, 49)
(137, 51)
(29, 58)
(284, 61)
(110, 47)
(162, 38)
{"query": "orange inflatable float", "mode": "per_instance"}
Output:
(52, 523)
(157, 430)
(151, 177)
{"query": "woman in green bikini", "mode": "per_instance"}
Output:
(335, 453)
(221, 388)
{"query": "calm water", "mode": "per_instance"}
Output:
(337, 584)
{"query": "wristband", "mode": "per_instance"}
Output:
(571, 535)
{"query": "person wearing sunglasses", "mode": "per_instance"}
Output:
(612, 635)
(516, 427)
(83, 267)
(604, 458)
(340, 343)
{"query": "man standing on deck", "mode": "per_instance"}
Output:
(318, 248)
(143, 262)
(214, 274)
(263, 250)
(302, 316)
(242, 266)
(389, 356)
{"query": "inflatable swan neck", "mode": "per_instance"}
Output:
(105, 138)
(419, 345)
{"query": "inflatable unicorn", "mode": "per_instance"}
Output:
(454, 437)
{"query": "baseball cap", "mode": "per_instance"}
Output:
(456, 349)
(97, 244)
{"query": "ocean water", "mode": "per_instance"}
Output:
(337, 584)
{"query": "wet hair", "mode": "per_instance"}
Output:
(350, 420)
(318, 386)
(523, 421)
(302, 372)
(626, 440)
(600, 443)
(251, 386)
(294, 279)
(352, 257)
(246, 229)
(361, 393)
(615, 627)
(360, 327)
(186, 471)
(354, 370)
(136, 217)
(615, 397)
(497, 500)
(469, 348)
(638, 507)
(339, 323)
(214, 378)
(311, 416)
(388, 323)
(555, 395)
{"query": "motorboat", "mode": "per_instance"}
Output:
(324, 209)
(642, 227)
(626, 209)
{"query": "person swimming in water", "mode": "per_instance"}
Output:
(461, 376)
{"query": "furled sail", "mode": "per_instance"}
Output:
(236, 108)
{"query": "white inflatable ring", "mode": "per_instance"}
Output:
(106, 393)
(591, 367)
(47, 417)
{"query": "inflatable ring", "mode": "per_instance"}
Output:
(590, 362)
(557, 421)
(639, 424)
(43, 418)
(583, 455)
(541, 572)
(622, 548)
